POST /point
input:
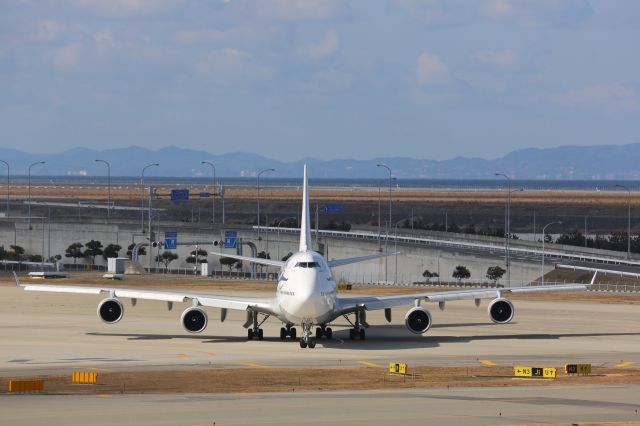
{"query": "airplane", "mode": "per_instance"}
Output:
(306, 296)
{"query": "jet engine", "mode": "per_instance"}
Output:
(110, 310)
(418, 320)
(501, 311)
(194, 320)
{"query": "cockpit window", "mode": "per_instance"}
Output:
(307, 265)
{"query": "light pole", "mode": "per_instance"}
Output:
(213, 194)
(507, 228)
(279, 222)
(7, 164)
(258, 189)
(386, 262)
(628, 221)
(543, 238)
(29, 203)
(108, 186)
(142, 195)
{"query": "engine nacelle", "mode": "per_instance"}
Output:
(501, 311)
(418, 320)
(194, 320)
(110, 310)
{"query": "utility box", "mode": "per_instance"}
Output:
(116, 265)
(204, 269)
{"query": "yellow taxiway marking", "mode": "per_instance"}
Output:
(371, 364)
(253, 364)
(183, 356)
(625, 364)
(487, 362)
(103, 395)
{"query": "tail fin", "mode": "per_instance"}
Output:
(305, 222)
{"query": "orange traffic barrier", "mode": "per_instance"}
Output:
(84, 377)
(36, 385)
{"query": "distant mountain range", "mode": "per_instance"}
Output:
(565, 162)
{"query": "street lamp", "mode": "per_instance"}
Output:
(628, 221)
(213, 194)
(386, 262)
(507, 227)
(543, 238)
(108, 186)
(279, 222)
(142, 195)
(258, 188)
(7, 164)
(29, 203)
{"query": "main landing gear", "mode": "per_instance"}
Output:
(255, 332)
(357, 332)
(325, 332)
(288, 332)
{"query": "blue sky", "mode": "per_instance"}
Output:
(290, 79)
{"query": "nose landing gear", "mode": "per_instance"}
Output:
(306, 340)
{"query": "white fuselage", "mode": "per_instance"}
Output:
(306, 290)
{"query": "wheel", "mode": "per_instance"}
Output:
(319, 333)
(362, 335)
(292, 333)
(328, 333)
(260, 334)
(312, 343)
(303, 344)
(250, 334)
(283, 333)
(352, 334)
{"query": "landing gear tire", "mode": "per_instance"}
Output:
(292, 333)
(303, 344)
(328, 333)
(352, 334)
(249, 334)
(283, 333)
(319, 333)
(261, 334)
(312, 343)
(362, 334)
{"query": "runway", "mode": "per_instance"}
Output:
(44, 333)
(455, 406)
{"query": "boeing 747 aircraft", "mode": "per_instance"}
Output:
(306, 296)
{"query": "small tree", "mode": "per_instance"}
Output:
(94, 248)
(428, 274)
(287, 256)
(3, 253)
(112, 250)
(166, 258)
(16, 253)
(202, 256)
(494, 273)
(460, 273)
(74, 250)
(34, 258)
(228, 262)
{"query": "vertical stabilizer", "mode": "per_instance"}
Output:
(305, 223)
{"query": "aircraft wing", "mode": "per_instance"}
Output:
(348, 260)
(350, 304)
(266, 305)
(261, 261)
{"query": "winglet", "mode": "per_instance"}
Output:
(15, 276)
(305, 225)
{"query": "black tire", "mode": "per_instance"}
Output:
(312, 343)
(362, 334)
(328, 333)
(249, 334)
(319, 333)
(352, 334)
(303, 344)
(283, 333)
(260, 334)
(292, 333)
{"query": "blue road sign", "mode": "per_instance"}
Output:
(170, 240)
(230, 238)
(333, 208)
(205, 195)
(179, 195)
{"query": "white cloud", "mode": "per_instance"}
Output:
(431, 70)
(126, 7)
(606, 95)
(329, 44)
(66, 58)
(499, 58)
(231, 65)
(298, 10)
(48, 30)
(498, 8)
